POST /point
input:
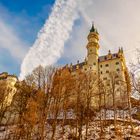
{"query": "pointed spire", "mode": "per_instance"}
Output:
(109, 55)
(92, 28)
(122, 49)
(119, 50)
(109, 52)
(77, 61)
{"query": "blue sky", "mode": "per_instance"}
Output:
(23, 18)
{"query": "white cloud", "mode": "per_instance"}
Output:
(49, 44)
(10, 41)
(118, 24)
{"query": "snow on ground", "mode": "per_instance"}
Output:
(94, 131)
(109, 114)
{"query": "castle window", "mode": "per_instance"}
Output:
(94, 63)
(108, 84)
(105, 78)
(101, 72)
(118, 89)
(107, 65)
(117, 82)
(85, 69)
(101, 66)
(117, 69)
(107, 71)
(117, 63)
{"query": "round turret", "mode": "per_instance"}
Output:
(93, 35)
(92, 48)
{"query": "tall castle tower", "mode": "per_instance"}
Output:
(92, 49)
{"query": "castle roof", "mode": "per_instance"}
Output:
(93, 29)
(105, 57)
(80, 65)
(101, 59)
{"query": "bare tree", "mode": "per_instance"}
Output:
(3, 104)
(113, 90)
(41, 79)
(57, 92)
(91, 82)
(128, 91)
(134, 74)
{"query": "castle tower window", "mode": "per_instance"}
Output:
(107, 65)
(105, 78)
(107, 71)
(108, 84)
(117, 69)
(101, 72)
(101, 66)
(116, 76)
(118, 89)
(117, 63)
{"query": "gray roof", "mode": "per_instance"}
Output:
(80, 65)
(104, 58)
(101, 59)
